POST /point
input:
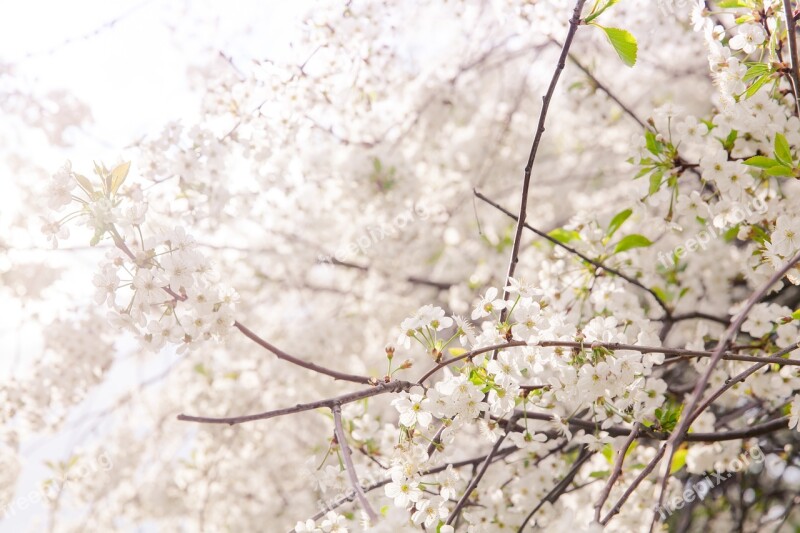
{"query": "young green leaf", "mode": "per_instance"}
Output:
(624, 43)
(563, 235)
(632, 241)
(761, 162)
(617, 221)
(779, 170)
(782, 151)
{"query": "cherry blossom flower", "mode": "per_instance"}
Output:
(748, 38)
(488, 304)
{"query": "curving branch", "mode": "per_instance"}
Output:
(280, 354)
(382, 388)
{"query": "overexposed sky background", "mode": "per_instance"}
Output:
(129, 61)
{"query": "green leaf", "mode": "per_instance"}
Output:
(779, 170)
(632, 241)
(564, 236)
(796, 314)
(782, 151)
(753, 89)
(455, 352)
(624, 43)
(732, 3)
(761, 162)
(755, 70)
(617, 221)
(653, 146)
(731, 233)
(730, 140)
(678, 460)
(608, 453)
(655, 182)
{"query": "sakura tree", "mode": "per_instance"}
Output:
(451, 266)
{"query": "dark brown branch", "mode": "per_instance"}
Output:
(467, 355)
(560, 487)
(416, 280)
(613, 346)
(628, 111)
(280, 354)
(382, 388)
(570, 249)
(617, 471)
(523, 208)
(794, 74)
(378, 484)
(478, 476)
(632, 487)
(341, 438)
(685, 422)
(730, 382)
(619, 431)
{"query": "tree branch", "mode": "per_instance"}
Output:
(381, 388)
(598, 507)
(560, 487)
(280, 354)
(794, 74)
(685, 422)
(478, 476)
(523, 208)
(570, 249)
(378, 484)
(341, 438)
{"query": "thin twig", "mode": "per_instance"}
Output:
(523, 208)
(685, 422)
(560, 487)
(632, 487)
(570, 249)
(478, 476)
(469, 354)
(730, 382)
(382, 388)
(614, 346)
(341, 438)
(628, 111)
(598, 507)
(378, 484)
(280, 354)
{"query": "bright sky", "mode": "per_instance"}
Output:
(128, 60)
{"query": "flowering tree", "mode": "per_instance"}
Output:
(607, 339)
